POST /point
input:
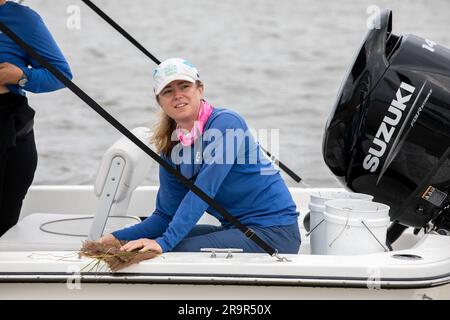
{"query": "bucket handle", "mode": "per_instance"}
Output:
(373, 235)
(309, 233)
(340, 233)
(365, 225)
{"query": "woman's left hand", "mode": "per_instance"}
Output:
(144, 244)
(9, 73)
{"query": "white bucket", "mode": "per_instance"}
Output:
(316, 216)
(355, 226)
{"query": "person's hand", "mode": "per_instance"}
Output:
(144, 244)
(106, 238)
(9, 73)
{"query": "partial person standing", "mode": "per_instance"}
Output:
(20, 73)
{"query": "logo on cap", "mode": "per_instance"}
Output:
(170, 70)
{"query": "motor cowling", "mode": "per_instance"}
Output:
(389, 131)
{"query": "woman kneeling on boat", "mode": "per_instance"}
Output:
(213, 148)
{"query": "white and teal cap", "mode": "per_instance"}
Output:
(173, 69)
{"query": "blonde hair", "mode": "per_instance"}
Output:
(163, 130)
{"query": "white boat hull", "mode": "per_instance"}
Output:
(35, 265)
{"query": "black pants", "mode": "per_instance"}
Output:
(18, 158)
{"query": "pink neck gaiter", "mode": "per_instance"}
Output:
(187, 138)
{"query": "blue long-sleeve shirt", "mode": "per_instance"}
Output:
(28, 25)
(247, 186)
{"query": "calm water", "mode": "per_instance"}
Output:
(279, 64)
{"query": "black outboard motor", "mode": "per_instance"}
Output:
(389, 132)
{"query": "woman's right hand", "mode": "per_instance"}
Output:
(106, 238)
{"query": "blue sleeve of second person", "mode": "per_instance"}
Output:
(39, 78)
(209, 180)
